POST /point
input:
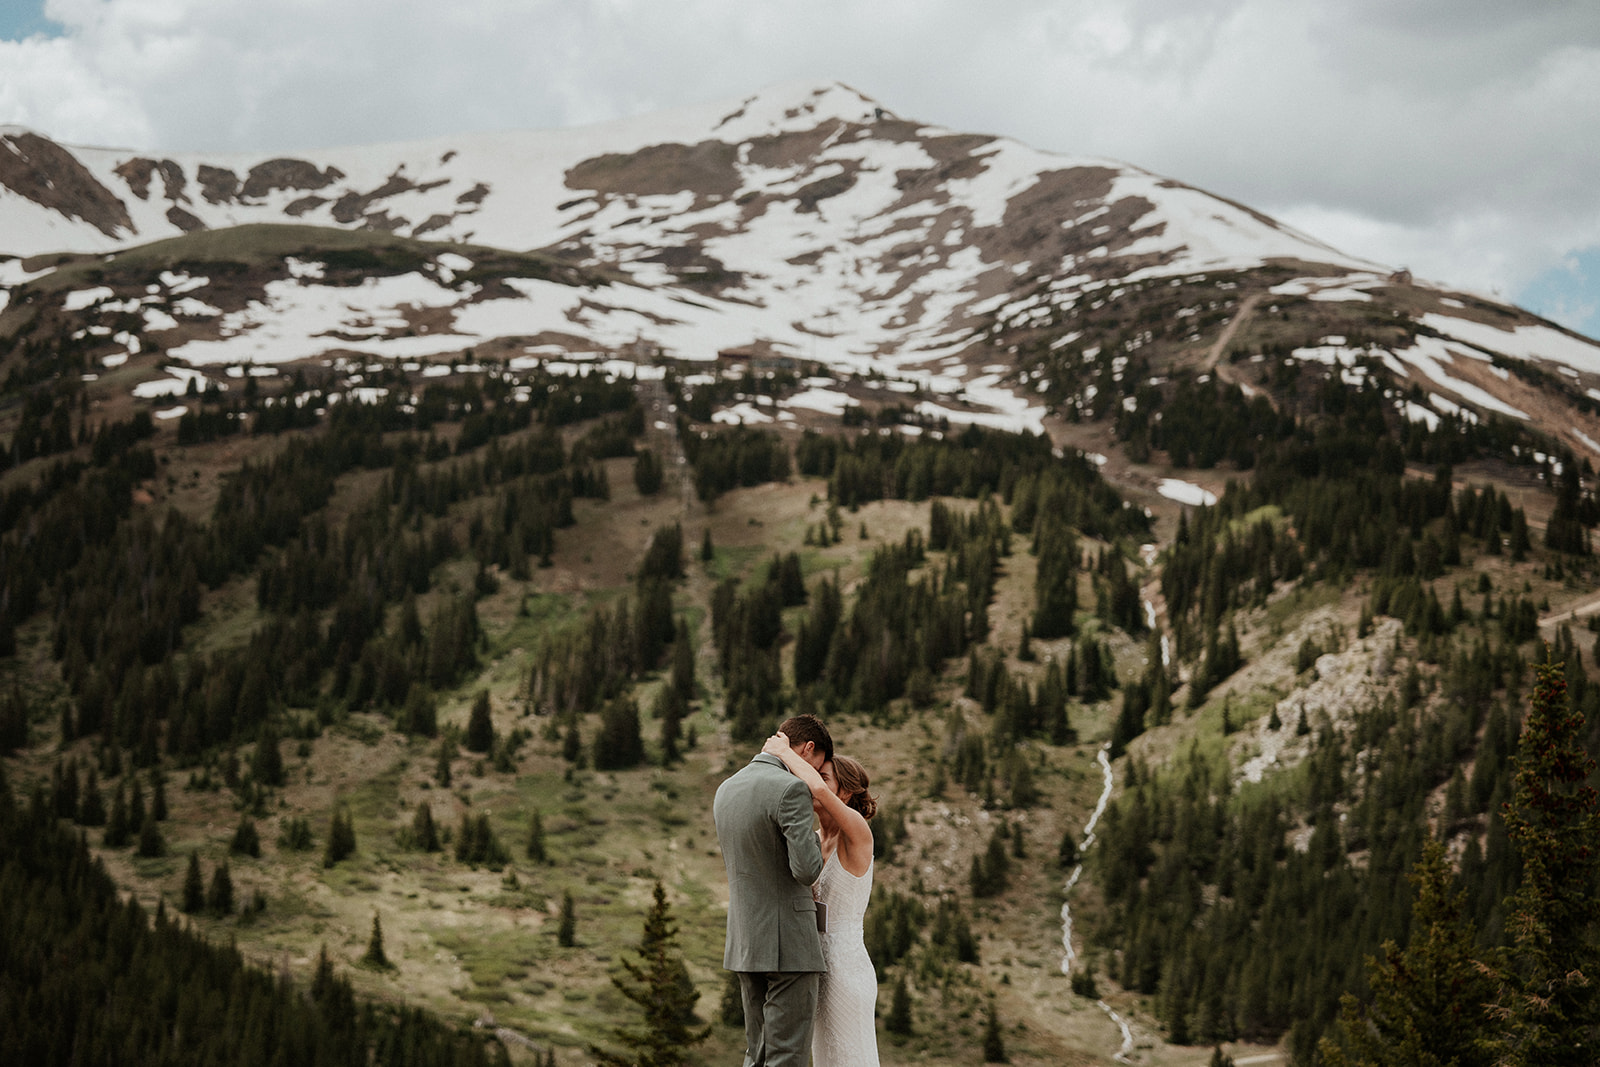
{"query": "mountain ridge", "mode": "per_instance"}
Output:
(805, 220)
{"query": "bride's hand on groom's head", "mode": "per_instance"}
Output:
(777, 744)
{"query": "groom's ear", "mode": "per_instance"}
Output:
(804, 751)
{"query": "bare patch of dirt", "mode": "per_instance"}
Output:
(708, 169)
(793, 149)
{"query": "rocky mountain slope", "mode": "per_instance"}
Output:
(997, 282)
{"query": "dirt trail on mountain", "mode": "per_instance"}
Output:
(1213, 363)
(1571, 613)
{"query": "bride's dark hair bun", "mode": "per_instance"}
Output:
(852, 779)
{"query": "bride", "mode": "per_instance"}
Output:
(844, 1034)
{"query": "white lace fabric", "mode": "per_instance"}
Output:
(845, 1034)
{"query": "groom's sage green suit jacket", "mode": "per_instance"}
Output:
(763, 816)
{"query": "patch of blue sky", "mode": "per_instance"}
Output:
(21, 19)
(1568, 294)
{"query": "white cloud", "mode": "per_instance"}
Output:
(1459, 137)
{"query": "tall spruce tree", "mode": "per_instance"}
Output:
(1548, 1008)
(194, 887)
(158, 795)
(567, 931)
(618, 745)
(117, 832)
(424, 833)
(152, 844)
(1429, 999)
(246, 839)
(682, 661)
(480, 726)
(994, 1042)
(267, 765)
(375, 957)
(341, 837)
(898, 1020)
(219, 898)
(659, 985)
(647, 472)
(536, 847)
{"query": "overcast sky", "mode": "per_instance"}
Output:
(1460, 138)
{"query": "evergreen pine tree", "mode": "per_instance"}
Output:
(135, 805)
(246, 841)
(194, 887)
(64, 789)
(374, 957)
(476, 843)
(420, 715)
(441, 768)
(618, 745)
(1548, 1007)
(994, 1044)
(1520, 543)
(294, 834)
(1427, 1003)
(1067, 854)
(323, 979)
(682, 662)
(898, 1021)
(151, 844)
(647, 472)
(480, 726)
(572, 743)
(158, 795)
(567, 931)
(219, 898)
(424, 834)
(659, 984)
(669, 712)
(341, 837)
(117, 832)
(536, 849)
(267, 766)
(991, 871)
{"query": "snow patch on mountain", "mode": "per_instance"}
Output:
(1530, 342)
(1431, 355)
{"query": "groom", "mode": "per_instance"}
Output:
(763, 816)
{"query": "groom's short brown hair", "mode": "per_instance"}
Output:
(803, 728)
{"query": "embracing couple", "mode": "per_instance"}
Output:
(796, 899)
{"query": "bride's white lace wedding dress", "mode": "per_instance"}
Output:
(845, 1034)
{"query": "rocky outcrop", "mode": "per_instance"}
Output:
(186, 221)
(708, 169)
(137, 173)
(287, 174)
(218, 185)
(42, 171)
(354, 206)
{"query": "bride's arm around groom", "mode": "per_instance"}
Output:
(764, 825)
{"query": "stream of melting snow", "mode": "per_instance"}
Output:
(1066, 908)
